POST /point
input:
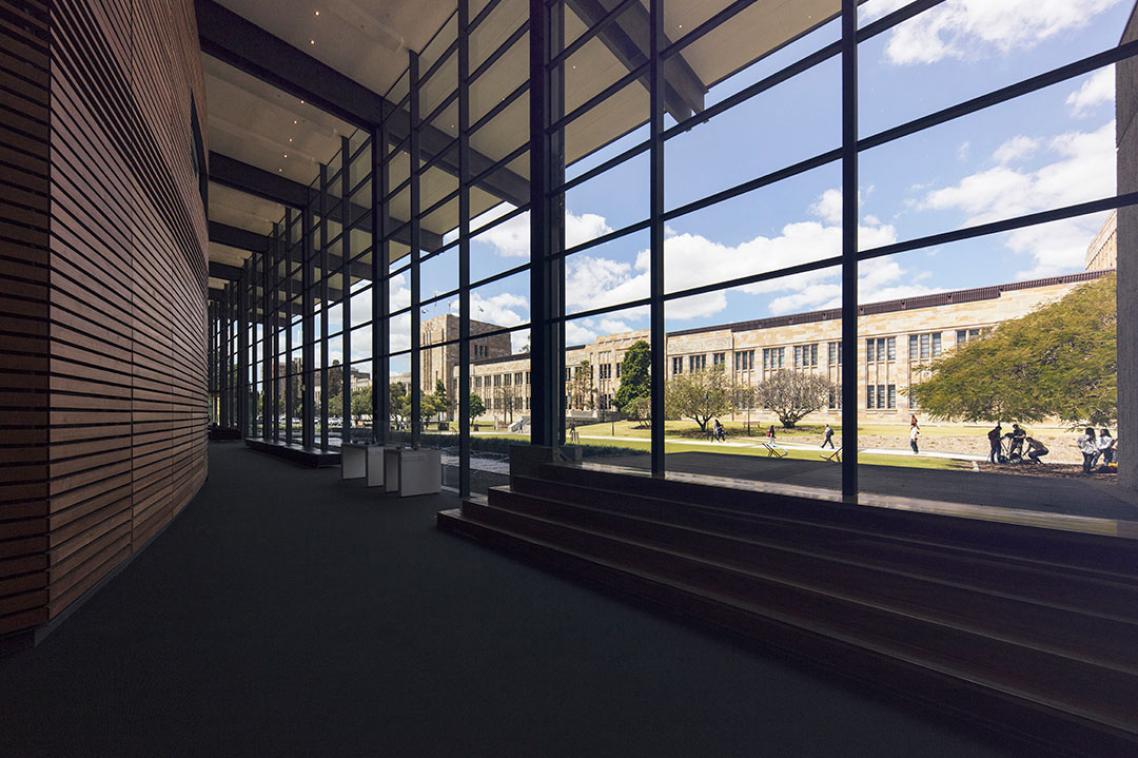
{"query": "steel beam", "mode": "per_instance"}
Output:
(239, 42)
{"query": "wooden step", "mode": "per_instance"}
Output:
(1024, 620)
(1073, 551)
(1047, 699)
(1111, 595)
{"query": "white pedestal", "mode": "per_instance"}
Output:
(362, 462)
(413, 472)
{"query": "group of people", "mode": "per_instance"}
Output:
(1095, 448)
(1020, 446)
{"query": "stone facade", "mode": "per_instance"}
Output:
(438, 357)
(1102, 253)
(898, 338)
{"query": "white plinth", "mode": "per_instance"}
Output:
(413, 472)
(362, 462)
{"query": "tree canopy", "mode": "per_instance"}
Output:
(793, 394)
(477, 408)
(699, 395)
(1059, 361)
(635, 378)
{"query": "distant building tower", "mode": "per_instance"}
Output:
(1102, 255)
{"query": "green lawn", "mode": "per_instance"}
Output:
(673, 445)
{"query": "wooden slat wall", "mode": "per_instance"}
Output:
(126, 273)
(24, 276)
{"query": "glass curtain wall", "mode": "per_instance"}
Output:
(703, 237)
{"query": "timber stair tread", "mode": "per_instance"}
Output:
(1108, 712)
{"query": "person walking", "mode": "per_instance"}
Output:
(1035, 449)
(1106, 446)
(914, 433)
(994, 443)
(770, 434)
(828, 437)
(1088, 445)
(720, 432)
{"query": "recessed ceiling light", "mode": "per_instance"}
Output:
(294, 121)
(286, 155)
(280, 170)
(312, 42)
(290, 139)
(317, 13)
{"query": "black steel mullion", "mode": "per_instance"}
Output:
(657, 329)
(381, 290)
(439, 204)
(1002, 95)
(308, 335)
(430, 117)
(502, 105)
(517, 153)
(597, 99)
(243, 350)
(750, 186)
(324, 276)
(885, 23)
(706, 27)
(266, 344)
(499, 276)
(604, 238)
(493, 58)
(596, 171)
(794, 69)
(345, 298)
(289, 399)
(393, 192)
(592, 32)
(764, 276)
(276, 284)
(463, 251)
(416, 229)
(442, 59)
(544, 383)
(1006, 225)
(849, 251)
(482, 14)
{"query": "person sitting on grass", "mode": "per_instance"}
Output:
(1088, 445)
(1035, 449)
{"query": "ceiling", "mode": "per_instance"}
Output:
(258, 124)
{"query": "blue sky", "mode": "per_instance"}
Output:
(1046, 150)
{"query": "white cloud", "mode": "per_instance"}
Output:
(1095, 90)
(504, 309)
(964, 150)
(829, 206)
(511, 238)
(1015, 148)
(1083, 169)
(973, 29)
(878, 280)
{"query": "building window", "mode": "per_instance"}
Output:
(806, 356)
(527, 378)
(745, 360)
(835, 353)
(677, 365)
(879, 349)
(697, 362)
(506, 379)
(834, 398)
(604, 371)
(773, 357)
(518, 378)
(618, 370)
(719, 359)
(964, 336)
(924, 346)
(880, 396)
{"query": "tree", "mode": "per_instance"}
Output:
(699, 395)
(477, 408)
(1059, 361)
(582, 394)
(361, 403)
(793, 394)
(400, 401)
(442, 401)
(336, 406)
(639, 408)
(635, 379)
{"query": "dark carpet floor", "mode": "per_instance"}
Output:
(288, 613)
